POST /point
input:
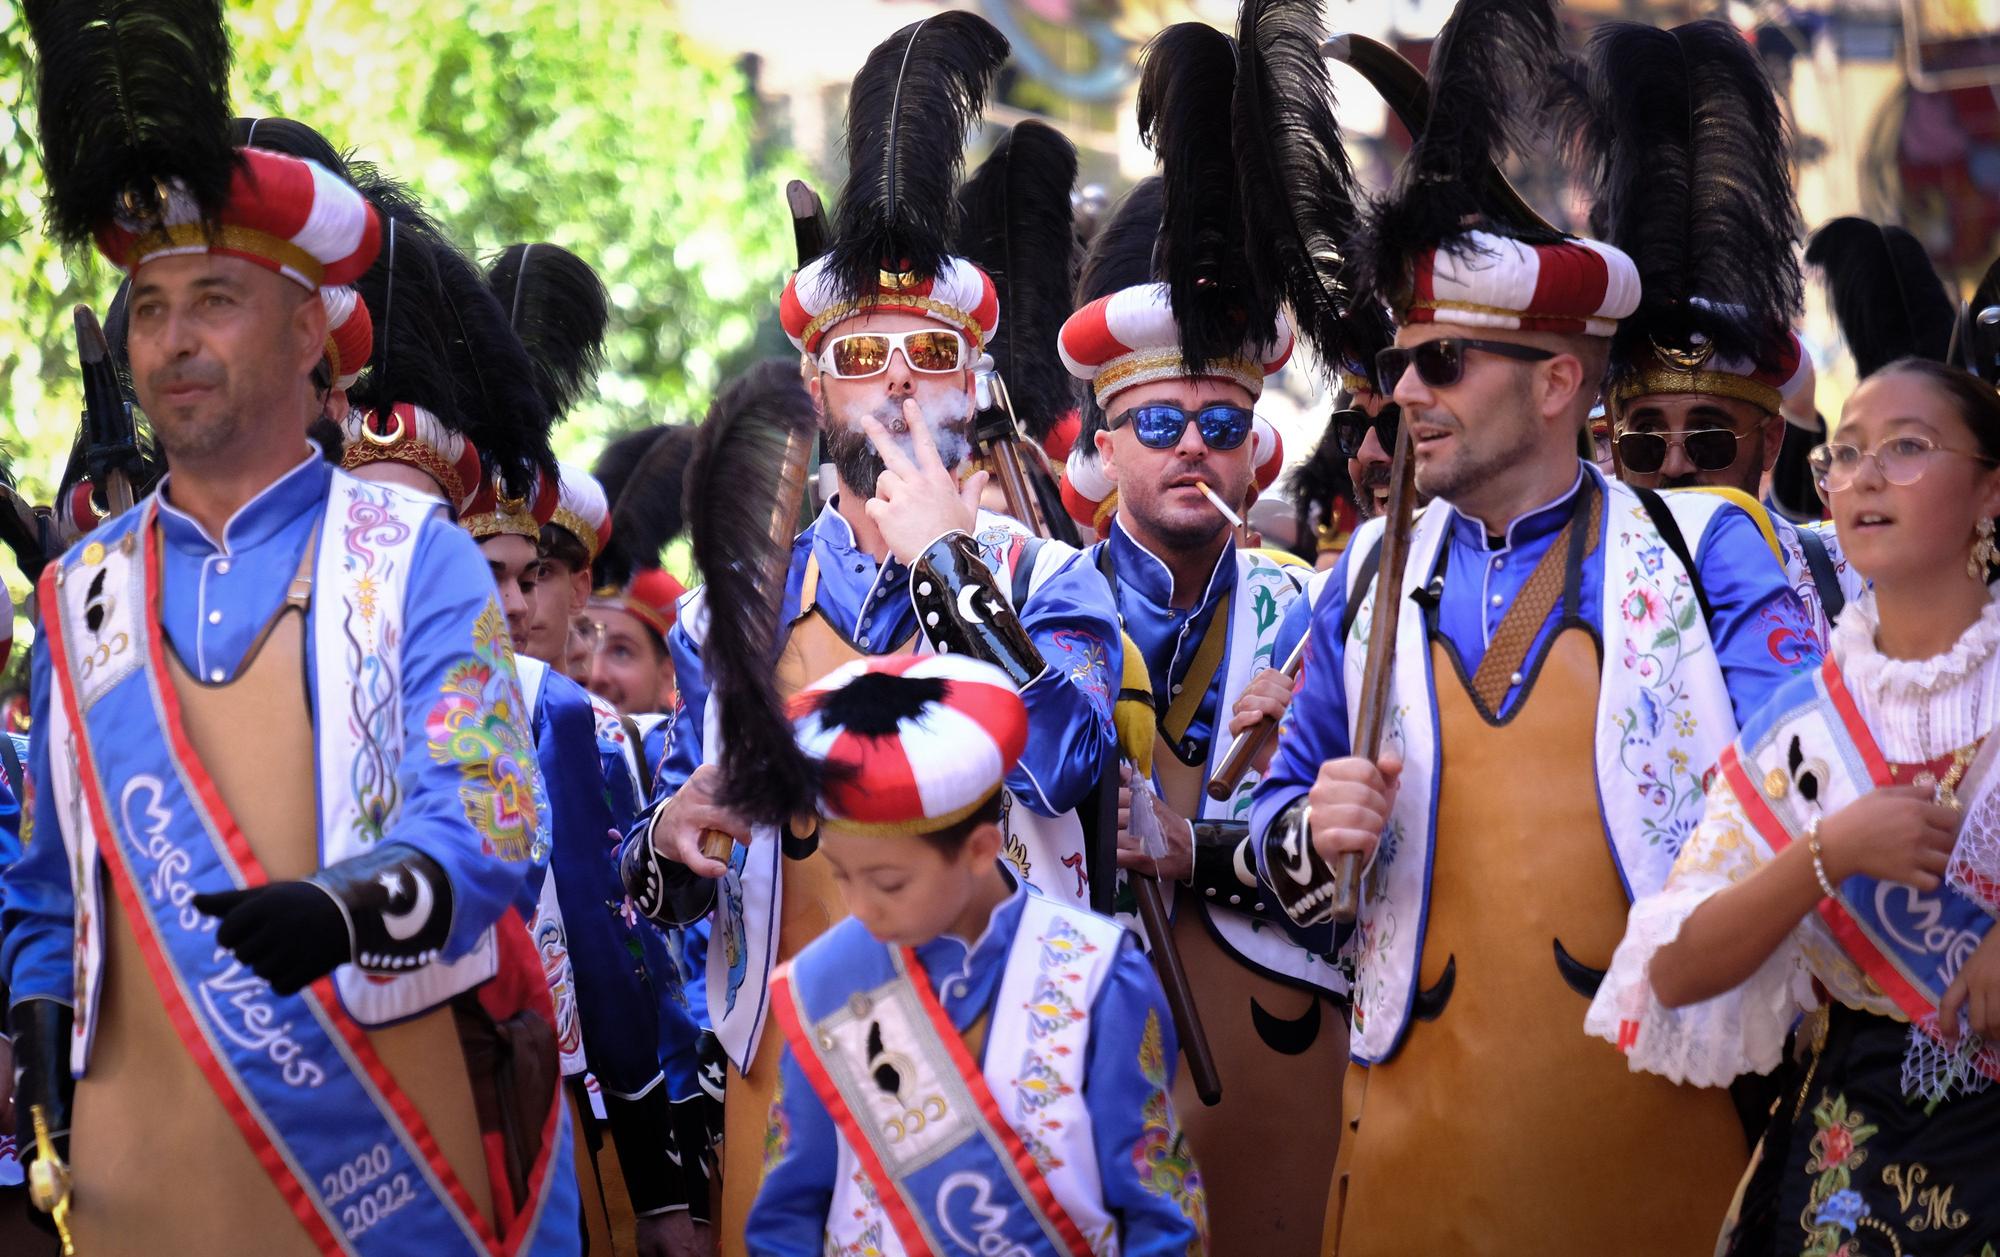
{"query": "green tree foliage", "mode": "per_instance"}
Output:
(590, 123)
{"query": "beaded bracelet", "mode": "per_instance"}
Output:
(1819, 865)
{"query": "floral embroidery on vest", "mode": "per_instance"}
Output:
(1161, 1157)
(479, 724)
(1834, 1210)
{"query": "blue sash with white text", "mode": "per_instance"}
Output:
(341, 1142)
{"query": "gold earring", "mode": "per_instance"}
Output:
(1983, 552)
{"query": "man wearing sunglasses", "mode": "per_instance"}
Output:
(899, 561)
(1366, 428)
(1205, 613)
(1557, 691)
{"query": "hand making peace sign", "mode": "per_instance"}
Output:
(918, 500)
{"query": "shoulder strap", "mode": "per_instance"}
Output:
(1831, 596)
(1364, 580)
(17, 777)
(1024, 570)
(1670, 532)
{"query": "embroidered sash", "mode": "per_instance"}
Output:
(279, 1064)
(1798, 761)
(545, 914)
(1663, 716)
(959, 1158)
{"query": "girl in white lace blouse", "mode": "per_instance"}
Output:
(1847, 868)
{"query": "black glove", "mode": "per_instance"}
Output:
(41, 1032)
(387, 911)
(1224, 872)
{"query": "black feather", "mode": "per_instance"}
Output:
(643, 474)
(289, 136)
(732, 483)
(1317, 482)
(1975, 341)
(1187, 75)
(1294, 184)
(1015, 223)
(876, 704)
(1124, 249)
(1690, 158)
(1490, 72)
(907, 115)
(130, 94)
(558, 307)
(1886, 296)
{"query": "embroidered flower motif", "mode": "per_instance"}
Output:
(1835, 1209)
(778, 1133)
(1037, 1084)
(1064, 945)
(478, 724)
(1641, 607)
(1050, 1008)
(1652, 558)
(1843, 1209)
(1160, 1155)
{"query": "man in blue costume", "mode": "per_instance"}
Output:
(289, 959)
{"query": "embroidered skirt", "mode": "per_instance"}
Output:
(1850, 1168)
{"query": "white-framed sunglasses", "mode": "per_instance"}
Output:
(858, 355)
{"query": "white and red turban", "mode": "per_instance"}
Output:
(961, 297)
(1130, 337)
(1479, 279)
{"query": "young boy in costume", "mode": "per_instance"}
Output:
(967, 1064)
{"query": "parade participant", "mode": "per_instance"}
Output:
(344, 886)
(1692, 178)
(1845, 867)
(1574, 656)
(899, 560)
(1173, 434)
(630, 665)
(558, 307)
(1028, 1037)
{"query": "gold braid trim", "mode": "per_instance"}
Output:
(1146, 366)
(577, 526)
(1666, 380)
(410, 452)
(502, 524)
(236, 238)
(892, 301)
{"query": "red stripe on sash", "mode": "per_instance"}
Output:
(1846, 931)
(989, 1108)
(886, 1190)
(164, 979)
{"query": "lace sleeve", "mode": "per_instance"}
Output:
(1740, 1032)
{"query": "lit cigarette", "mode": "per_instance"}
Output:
(1235, 520)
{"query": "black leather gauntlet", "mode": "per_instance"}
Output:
(664, 890)
(642, 1130)
(963, 611)
(387, 911)
(1225, 872)
(41, 1031)
(1299, 879)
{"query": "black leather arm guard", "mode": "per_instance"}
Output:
(41, 1031)
(1225, 872)
(642, 1131)
(1299, 879)
(963, 610)
(664, 890)
(697, 1128)
(397, 903)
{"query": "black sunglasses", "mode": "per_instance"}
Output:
(1441, 363)
(1709, 449)
(1350, 429)
(1159, 425)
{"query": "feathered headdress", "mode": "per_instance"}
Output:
(643, 474)
(1187, 77)
(132, 100)
(288, 135)
(441, 331)
(1886, 296)
(742, 442)
(908, 111)
(558, 307)
(1689, 155)
(1124, 250)
(1294, 184)
(1489, 70)
(1016, 225)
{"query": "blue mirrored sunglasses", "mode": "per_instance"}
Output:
(1159, 425)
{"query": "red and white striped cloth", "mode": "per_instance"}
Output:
(350, 334)
(284, 213)
(1130, 337)
(961, 297)
(582, 510)
(916, 742)
(1484, 280)
(413, 436)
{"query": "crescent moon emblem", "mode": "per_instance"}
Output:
(403, 926)
(965, 608)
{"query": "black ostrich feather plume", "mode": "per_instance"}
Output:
(130, 95)
(732, 480)
(1886, 296)
(1689, 155)
(1015, 222)
(907, 114)
(1187, 76)
(644, 474)
(558, 307)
